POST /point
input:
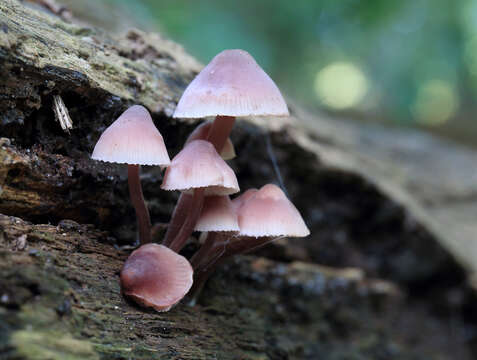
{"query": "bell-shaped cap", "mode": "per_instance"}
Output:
(155, 276)
(217, 214)
(269, 213)
(201, 132)
(132, 139)
(232, 84)
(199, 166)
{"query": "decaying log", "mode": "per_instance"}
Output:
(391, 276)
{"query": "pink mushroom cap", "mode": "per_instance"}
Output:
(269, 213)
(238, 201)
(201, 132)
(132, 139)
(198, 165)
(232, 84)
(218, 214)
(155, 276)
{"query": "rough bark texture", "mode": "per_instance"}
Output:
(386, 220)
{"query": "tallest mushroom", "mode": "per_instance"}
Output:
(231, 85)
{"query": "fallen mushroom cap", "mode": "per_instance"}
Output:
(199, 166)
(218, 214)
(232, 84)
(132, 139)
(155, 276)
(202, 131)
(269, 213)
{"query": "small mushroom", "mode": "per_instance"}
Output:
(155, 276)
(199, 170)
(263, 216)
(268, 212)
(183, 204)
(219, 219)
(218, 214)
(134, 140)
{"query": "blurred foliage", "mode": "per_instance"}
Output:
(404, 62)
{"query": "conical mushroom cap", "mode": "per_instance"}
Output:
(232, 84)
(269, 213)
(155, 276)
(201, 132)
(132, 139)
(199, 166)
(217, 214)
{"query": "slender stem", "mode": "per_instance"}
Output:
(200, 279)
(246, 244)
(212, 250)
(215, 253)
(200, 255)
(178, 217)
(220, 131)
(137, 199)
(223, 246)
(205, 261)
(189, 223)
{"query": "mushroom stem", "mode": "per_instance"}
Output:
(246, 244)
(178, 217)
(137, 199)
(215, 251)
(221, 247)
(206, 260)
(220, 131)
(188, 227)
(200, 279)
(217, 135)
(197, 259)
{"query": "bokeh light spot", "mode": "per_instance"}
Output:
(436, 102)
(341, 85)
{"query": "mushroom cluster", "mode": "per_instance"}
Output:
(231, 85)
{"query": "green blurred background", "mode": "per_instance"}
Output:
(403, 63)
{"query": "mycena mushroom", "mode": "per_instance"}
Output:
(197, 169)
(219, 219)
(134, 140)
(182, 207)
(268, 212)
(263, 216)
(231, 85)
